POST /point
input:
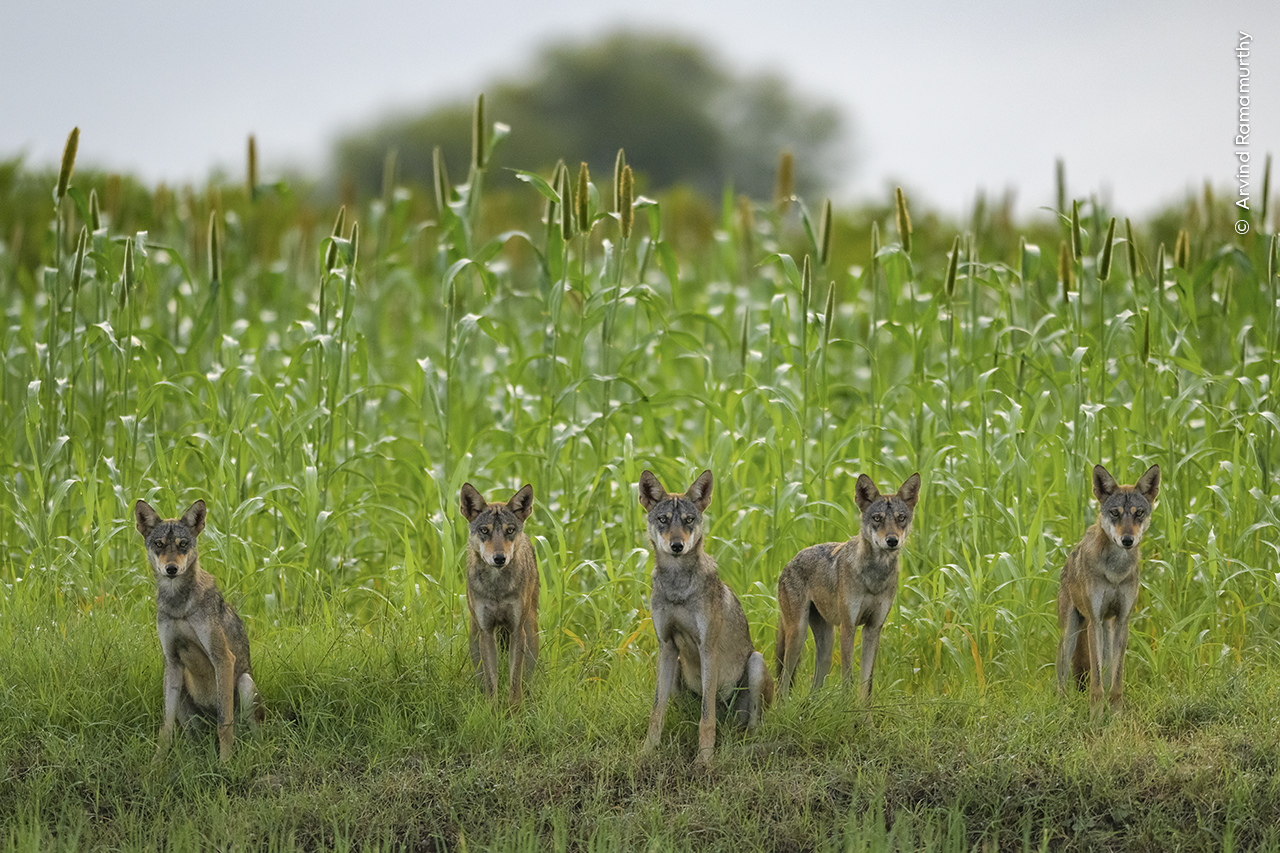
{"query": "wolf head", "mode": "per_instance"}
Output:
(494, 527)
(1125, 511)
(171, 545)
(675, 521)
(886, 519)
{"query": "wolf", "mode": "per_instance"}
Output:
(1100, 585)
(845, 584)
(704, 642)
(502, 587)
(207, 673)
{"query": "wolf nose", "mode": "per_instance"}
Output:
(891, 541)
(499, 559)
(171, 570)
(677, 547)
(1126, 541)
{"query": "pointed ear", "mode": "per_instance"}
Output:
(864, 492)
(1104, 485)
(472, 503)
(910, 491)
(521, 502)
(651, 491)
(145, 518)
(1148, 484)
(194, 517)
(700, 491)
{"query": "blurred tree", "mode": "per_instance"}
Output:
(680, 115)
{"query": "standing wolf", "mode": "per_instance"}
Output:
(502, 587)
(1100, 585)
(846, 584)
(704, 642)
(206, 650)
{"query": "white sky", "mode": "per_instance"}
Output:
(1139, 98)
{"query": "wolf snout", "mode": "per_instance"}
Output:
(1126, 541)
(891, 541)
(171, 569)
(677, 547)
(499, 559)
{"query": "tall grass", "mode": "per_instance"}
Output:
(327, 395)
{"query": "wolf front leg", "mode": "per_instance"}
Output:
(517, 653)
(1099, 639)
(489, 661)
(1119, 642)
(172, 691)
(870, 646)
(668, 671)
(849, 618)
(710, 654)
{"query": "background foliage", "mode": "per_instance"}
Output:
(674, 105)
(327, 390)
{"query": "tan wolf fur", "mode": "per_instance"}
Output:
(1100, 586)
(502, 587)
(845, 584)
(207, 673)
(704, 642)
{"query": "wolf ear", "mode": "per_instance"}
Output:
(1104, 485)
(910, 491)
(865, 492)
(651, 491)
(521, 502)
(472, 503)
(1148, 484)
(194, 517)
(145, 518)
(700, 491)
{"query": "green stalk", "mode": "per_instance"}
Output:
(949, 289)
(806, 295)
(1104, 274)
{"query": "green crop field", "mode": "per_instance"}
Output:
(327, 389)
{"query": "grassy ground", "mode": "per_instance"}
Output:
(378, 737)
(328, 395)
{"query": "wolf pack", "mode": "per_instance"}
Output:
(704, 640)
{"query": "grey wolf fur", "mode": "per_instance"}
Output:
(1100, 586)
(502, 587)
(704, 642)
(207, 673)
(845, 584)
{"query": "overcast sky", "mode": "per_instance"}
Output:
(1139, 99)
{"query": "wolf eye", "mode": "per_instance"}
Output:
(689, 519)
(1115, 513)
(902, 516)
(484, 531)
(877, 518)
(182, 544)
(663, 519)
(1137, 515)
(511, 530)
